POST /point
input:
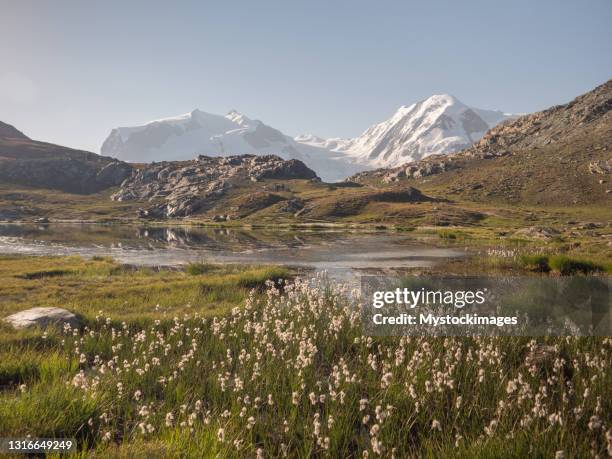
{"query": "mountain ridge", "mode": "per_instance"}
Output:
(186, 136)
(439, 124)
(559, 155)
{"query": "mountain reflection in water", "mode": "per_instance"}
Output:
(332, 250)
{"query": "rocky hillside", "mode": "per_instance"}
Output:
(558, 156)
(182, 188)
(44, 165)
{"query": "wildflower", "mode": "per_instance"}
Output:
(490, 429)
(386, 380)
(330, 421)
(458, 439)
(250, 422)
(316, 425)
(435, 425)
(376, 445)
(511, 387)
(221, 434)
(169, 419)
(594, 423)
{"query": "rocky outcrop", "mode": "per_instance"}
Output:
(534, 232)
(431, 165)
(408, 194)
(113, 173)
(182, 188)
(42, 317)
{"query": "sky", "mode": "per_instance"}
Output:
(70, 71)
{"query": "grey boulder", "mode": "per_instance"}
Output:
(42, 317)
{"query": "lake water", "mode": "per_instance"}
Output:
(340, 252)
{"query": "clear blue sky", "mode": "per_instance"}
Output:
(72, 70)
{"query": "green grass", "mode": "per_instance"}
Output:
(140, 379)
(288, 373)
(452, 235)
(139, 295)
(195, 269)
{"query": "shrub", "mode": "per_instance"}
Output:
(568, 266)
(195, 269)
(538, 263)
(447, 235)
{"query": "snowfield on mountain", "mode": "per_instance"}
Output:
(186, 136)
(440, 124)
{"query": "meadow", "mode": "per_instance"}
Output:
(281, 369)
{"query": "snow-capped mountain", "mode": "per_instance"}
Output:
(440, 124)
(186, 136)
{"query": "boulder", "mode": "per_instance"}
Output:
(292, 205)
(534, 232)
(42, 317)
